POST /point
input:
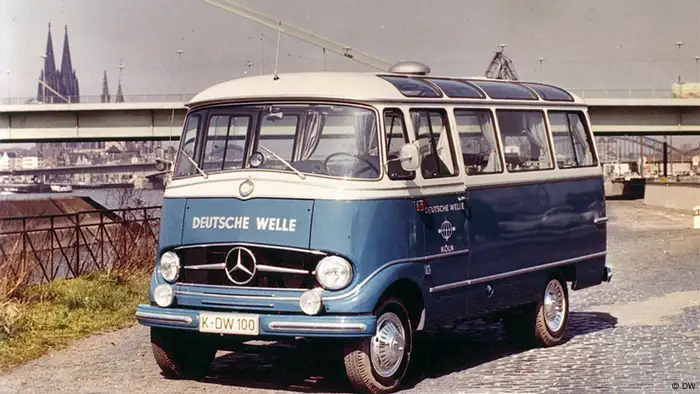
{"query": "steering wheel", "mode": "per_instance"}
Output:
(369, 163)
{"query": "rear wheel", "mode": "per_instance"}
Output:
(180, 354)
(378, 364)
(543, 323)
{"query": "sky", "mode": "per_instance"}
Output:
(591, 44)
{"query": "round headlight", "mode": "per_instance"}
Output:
(333, 272)
(163, 295)
(169, 266)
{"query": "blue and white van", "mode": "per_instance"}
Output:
(369, 207)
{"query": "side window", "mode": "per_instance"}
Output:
(572, 141)
(477, 136)
(435, 143)
(396, 137)
(524, 140)
(184, 167)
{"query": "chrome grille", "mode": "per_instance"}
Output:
(281, 268)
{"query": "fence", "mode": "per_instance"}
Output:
(43, 248)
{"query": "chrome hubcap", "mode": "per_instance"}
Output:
(554, 305)
(388, 345)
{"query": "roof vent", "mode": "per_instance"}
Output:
(410, 68)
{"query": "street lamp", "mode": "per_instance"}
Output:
(179, 55)
(679, 44)
(541, 59)
(697, 69)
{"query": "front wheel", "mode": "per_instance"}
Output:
(378, 364)
(180, 354)
(543, 323)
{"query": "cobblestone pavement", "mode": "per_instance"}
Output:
(640, 333)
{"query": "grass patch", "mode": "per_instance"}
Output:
(44, 317)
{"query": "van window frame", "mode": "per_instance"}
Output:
(406, 140)
(590, 138)
(545, 123)
(442, 110)
(496, 134)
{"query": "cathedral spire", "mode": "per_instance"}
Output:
(49, 74)
(120, 96)
(69, 82)
(105, 88)
(49, 61)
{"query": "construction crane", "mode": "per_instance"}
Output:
(303, 35)
(501, 67)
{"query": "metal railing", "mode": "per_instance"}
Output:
(133, 98)
(181, 98)
(623, 93)
(59, 246)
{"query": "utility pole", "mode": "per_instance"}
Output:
(179, 61)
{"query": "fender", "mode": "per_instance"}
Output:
(363, 297)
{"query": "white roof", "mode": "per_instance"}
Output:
(332, 85)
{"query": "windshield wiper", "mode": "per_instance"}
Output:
(194, 163)
(283, 161)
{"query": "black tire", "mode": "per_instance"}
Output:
(180, 354)
(359, 367)
(528, 327)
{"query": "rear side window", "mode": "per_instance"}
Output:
(477, 136)
(524, 140)
(435, 143)
(573, 146)
(396, 137)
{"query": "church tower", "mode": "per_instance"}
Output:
(105, 97)
(49, 75)
(63, 81)
(69, 81)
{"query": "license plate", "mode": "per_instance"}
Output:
(229, 323)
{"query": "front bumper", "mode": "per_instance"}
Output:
(270, 325)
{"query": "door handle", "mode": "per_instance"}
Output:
(462, 198)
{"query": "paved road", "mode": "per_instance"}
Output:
(639, 333)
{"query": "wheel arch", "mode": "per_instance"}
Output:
(410, 294)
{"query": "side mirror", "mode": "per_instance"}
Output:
(256, 159)
(409, 157)
(163, 164)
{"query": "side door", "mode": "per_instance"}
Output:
(442, 213)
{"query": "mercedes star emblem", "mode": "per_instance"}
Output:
(246, 188)
(240, 265)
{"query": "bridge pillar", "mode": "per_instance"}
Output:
(665, 152)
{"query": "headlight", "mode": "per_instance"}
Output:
(163, 295)
(333, 272)
(169, 266)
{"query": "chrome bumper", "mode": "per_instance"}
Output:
(270, 325)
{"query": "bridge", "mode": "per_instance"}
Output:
(612, 112)
(149, 168)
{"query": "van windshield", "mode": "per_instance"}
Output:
(327, 140)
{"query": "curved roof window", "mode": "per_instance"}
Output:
(505, 90)
(411, 87)
(550, 93)
(457, 89)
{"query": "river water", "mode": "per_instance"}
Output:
(110, 198)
